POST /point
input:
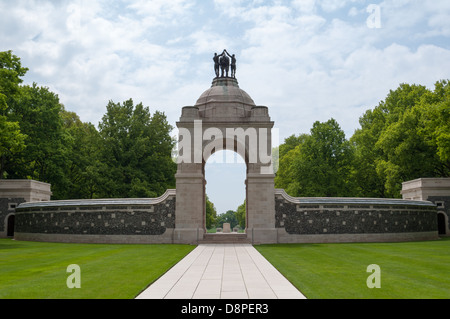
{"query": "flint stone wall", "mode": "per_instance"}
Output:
(110, 221)
(353, 219)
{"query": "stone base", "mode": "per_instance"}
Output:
(189, 236)
(285, 238)
(165, 238)
(259, 236)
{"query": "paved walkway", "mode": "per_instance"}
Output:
(222, 271)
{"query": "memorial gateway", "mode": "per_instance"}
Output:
(224, 118)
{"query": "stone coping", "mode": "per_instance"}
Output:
(99, 202)
(350, 201)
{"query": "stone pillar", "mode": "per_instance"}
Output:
(190, 181)
(189, 208)
(261, 208)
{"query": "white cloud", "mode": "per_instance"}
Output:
(305, 6)
(161, 12)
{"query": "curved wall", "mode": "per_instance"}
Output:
(297, 220)
(98, 221)
(353, 219)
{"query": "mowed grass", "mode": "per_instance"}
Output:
(413, 270)
(32, 270)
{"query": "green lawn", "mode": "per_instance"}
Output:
(408, 270)
(31, 270)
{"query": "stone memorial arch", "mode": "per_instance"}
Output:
(225, 118)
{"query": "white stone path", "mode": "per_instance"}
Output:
(222, 271)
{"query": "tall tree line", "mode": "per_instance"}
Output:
(406, 136)
(129, 155)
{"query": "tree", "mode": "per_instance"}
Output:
(241, 214)
(211, 214)
(228, 217)
(319, 165)
(38, 112)
(367, 183)
(403, 138)
(435, 126)
(11, 71)
(288, 151)
(136, 151)
(11, 139)
(83, 158)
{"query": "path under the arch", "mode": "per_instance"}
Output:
(227, 271)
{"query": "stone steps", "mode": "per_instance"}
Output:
(221, 238)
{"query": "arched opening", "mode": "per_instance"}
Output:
(10, 225)
(225, 177)
(442, 229)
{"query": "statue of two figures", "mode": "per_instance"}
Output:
(222, 62)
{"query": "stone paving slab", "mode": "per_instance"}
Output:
(222, 271)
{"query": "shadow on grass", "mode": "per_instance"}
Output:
(8, 243)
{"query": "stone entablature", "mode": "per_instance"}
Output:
(422, 188)
(29, 190)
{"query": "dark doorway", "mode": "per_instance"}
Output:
(441, 224)
(10, 229)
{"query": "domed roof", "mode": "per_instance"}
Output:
(225, 90)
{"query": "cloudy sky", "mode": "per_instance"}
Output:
(307, 60)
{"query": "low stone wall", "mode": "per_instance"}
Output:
(353, 219)
(98, 221)
(297, 220)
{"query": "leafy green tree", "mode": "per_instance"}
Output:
(228, 217)
(367, 183)
(38, 112)
(288, 151)
(403, 138)
(211, 214)
(11, 71)
(241, 214)
(83, 158)
(319, 165)
(434, 126)
(136, 151)
(291, 143)
(11, 139)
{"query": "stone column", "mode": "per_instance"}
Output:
(190, 182)
(261, 208)
(189, 208)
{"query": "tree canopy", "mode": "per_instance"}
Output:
(12, 140)
(407, 136)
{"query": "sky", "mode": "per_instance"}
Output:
(307, 60)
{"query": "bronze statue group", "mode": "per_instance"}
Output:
(222, 62)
